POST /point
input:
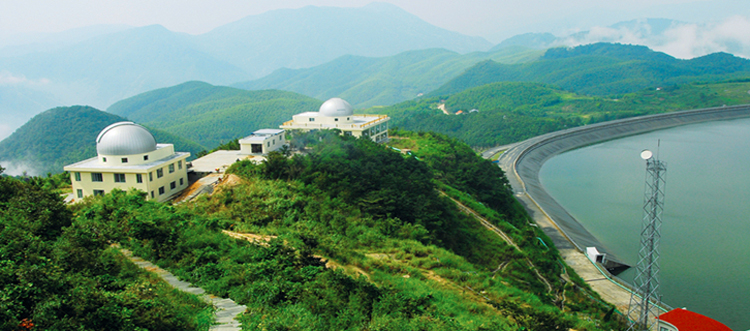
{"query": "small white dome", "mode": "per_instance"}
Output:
(336, 107)
(125, 138)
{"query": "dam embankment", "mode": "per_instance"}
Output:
(524, 160)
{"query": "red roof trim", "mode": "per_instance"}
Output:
(686, 320)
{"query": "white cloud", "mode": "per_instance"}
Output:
(19, 169)
(7, 78)
(681, 40)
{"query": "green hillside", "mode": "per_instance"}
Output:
(64, 135)
(210, 115)
(510, 112)
(368, 81)
(603, 69)
(389, 251)
(60, 273)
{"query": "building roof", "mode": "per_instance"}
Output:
(685, 320)
(221, 160)
(336, 107)
(93, 164)
(267, 132)
(125, 138)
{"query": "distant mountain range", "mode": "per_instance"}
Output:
(369, 81)
(64, 135)
(603, 69)
(310, 36)
(101, 65)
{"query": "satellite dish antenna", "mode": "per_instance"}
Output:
(646, 154)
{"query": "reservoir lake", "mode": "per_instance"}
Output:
(705, 234)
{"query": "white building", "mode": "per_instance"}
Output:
(129, 157)
(262, 141)
(339, 114)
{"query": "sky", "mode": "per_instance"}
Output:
(494, 20)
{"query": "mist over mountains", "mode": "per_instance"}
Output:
(101, 65)
(290, 49)
(683, 40)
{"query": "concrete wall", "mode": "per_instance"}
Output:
(526, 158)
(151, 182)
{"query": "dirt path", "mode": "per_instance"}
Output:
(226, 309)
(505, 238)
(442, 107)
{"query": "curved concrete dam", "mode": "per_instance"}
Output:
(524, 160)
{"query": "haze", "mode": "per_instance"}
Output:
(494, 20)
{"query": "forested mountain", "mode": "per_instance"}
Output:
(367, 81)
(113, 64)
(508, 112)
(64, 135)
(210, 115)
(603, 69)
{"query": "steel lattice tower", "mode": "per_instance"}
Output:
(645, 301)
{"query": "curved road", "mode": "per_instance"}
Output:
(522, 161)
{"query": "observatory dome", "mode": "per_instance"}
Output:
(125, 138)
(336, 107)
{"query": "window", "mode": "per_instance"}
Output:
(79, 192)
(78, 176)
(347, 118)
(104, 159)
(312, 119)
(161, 190)
(172, 185)
(119, 178)
(171, 168)
(97, 177)
(179, 164)
(124, 160)
(160, 173)
(145, 158)
(152, 194)
(181, 181)
(336, 119)
(150, 176)
(98, 192)
(138, 178)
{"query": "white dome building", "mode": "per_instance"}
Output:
(336, 113)
(129, 157)
(336, 107)
(125, 138)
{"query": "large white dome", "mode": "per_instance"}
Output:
(125, 138)
(336, 107)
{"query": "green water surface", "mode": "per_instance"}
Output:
(705, 245)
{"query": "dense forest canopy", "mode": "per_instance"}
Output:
(59, 272)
